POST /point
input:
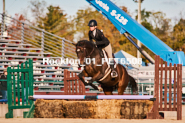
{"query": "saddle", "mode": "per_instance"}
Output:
(102, 54)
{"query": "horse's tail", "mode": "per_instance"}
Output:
(133, 84)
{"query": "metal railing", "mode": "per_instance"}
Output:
(39, 38)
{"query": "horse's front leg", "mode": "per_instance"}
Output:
(100, 74)
(81, 77)
(96, 77)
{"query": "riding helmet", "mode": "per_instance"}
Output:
(92, 23)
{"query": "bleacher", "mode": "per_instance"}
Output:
(48, 78)
(20, 41)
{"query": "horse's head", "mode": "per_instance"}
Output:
(84, 49)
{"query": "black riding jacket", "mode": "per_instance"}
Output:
(101, 40)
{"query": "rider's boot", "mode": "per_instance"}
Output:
(113, 72)
(101, 53)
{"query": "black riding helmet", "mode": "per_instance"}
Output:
(92, 23)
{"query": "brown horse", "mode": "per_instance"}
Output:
(85, 49)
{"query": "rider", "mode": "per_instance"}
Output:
(102, 43)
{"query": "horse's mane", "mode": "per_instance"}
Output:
(85, 43)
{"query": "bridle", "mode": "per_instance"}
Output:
(85, 51)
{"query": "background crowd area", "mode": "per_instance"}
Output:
(55, 20)
(3, 85)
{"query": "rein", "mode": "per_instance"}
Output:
(85, 52)
(90, 52)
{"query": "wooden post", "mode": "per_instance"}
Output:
(156, 103)
(178, 101)
(72, 84)
(165, 88)
(179, 92)
(65, 82)
(177, 88)
(69, 82)
(174, 88)
(180, 117)
(72, 75)
(170, 88)
(161, 84)
(76, 89)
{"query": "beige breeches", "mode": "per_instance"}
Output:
(108, 49)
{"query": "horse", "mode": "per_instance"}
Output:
(86, 50)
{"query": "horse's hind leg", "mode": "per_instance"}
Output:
(123, 82)
(122, 86)
(107, 90)
(121, 89)
(108, 93)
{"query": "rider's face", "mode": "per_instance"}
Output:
(92, 28)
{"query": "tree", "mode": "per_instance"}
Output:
(160, 22)
(38, 9)
(52, 20)
(55, 21)
(179, 36)
(162, 27)
(145, 15)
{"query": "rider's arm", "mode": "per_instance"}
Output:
(102, 37)
(100, 42)
(90, 38)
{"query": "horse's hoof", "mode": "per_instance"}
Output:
(100, 88)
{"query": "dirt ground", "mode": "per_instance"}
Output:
(40, 120)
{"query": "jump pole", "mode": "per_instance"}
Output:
(129, 97)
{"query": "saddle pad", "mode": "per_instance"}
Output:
(105, 56)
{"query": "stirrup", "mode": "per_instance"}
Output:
(89, 81)
(114, 74)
